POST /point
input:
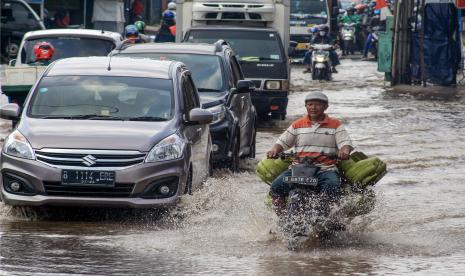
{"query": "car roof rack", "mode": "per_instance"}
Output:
(219, 45)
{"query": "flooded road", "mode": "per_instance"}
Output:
(417, 227)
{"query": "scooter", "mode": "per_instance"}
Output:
(321, 63)
(348, 38)
(310, 213)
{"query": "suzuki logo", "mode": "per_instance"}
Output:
(89, 160)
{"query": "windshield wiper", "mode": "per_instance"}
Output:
(148, 118)
(82, 117)
(208, 90)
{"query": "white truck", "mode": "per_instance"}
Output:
(22, 72)
(258, 31)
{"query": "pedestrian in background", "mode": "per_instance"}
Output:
(109, 15)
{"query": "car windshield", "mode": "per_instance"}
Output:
(314, 7)
(249, 46)
(69, 46)
(103, 98)
(206, 69)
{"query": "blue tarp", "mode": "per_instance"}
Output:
(441, 45)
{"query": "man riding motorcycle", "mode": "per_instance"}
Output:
(318, 136)
(131, 35)
(352, 17)
(322, 36)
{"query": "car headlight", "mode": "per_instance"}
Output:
(17, 145)
(273, 85)
(219, 113)
(170, 148)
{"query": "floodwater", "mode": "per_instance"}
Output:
(417, 227)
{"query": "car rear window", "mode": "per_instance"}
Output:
(206, 69)
(106, 97)
(248, 45)
(69, 46)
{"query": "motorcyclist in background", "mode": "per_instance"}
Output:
(314, 135)
(171, 8)
(322, 36)
(352, 17)
(362, 11)
(167, 31)
(131, 35)
(43, 52)
(140, 25)
(374, 24)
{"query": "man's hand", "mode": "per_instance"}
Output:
(344, 152)
(275, 150)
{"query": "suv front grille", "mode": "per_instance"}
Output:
(89, 158)
(119, 190)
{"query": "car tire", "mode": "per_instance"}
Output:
(235, 159)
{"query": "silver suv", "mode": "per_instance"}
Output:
(107, 132)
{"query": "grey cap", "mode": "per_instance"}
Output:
(316, 96)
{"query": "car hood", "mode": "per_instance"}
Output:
(209, 99)
(94, 134)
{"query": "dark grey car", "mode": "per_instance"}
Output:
(222, 90)
(125, 132)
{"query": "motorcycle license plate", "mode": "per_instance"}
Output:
(301, 180)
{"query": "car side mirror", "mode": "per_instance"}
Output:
(9, 111)
(12, 62)
(200, 116)
(245, 86)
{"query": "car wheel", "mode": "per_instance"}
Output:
(234, 161)
(188, 189)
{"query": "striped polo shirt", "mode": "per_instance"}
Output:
(315, 139)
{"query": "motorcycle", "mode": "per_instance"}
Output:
(348, 38)
(321, 63)
(311, 213)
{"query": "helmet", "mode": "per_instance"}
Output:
(171, 6)
(131, 31)
(316, 96)
(268, 169)
(43, 50)
(377, 12)
(360, 7)
(140, 25)
(323, 28)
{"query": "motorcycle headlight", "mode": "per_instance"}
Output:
(320, 59)
(219, 113)
(273, 85)
(170, 148)
(17, 145)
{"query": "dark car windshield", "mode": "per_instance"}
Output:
(206, 69)
(315, 7)
(103, 97)
(69, 46)
(248, 45)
